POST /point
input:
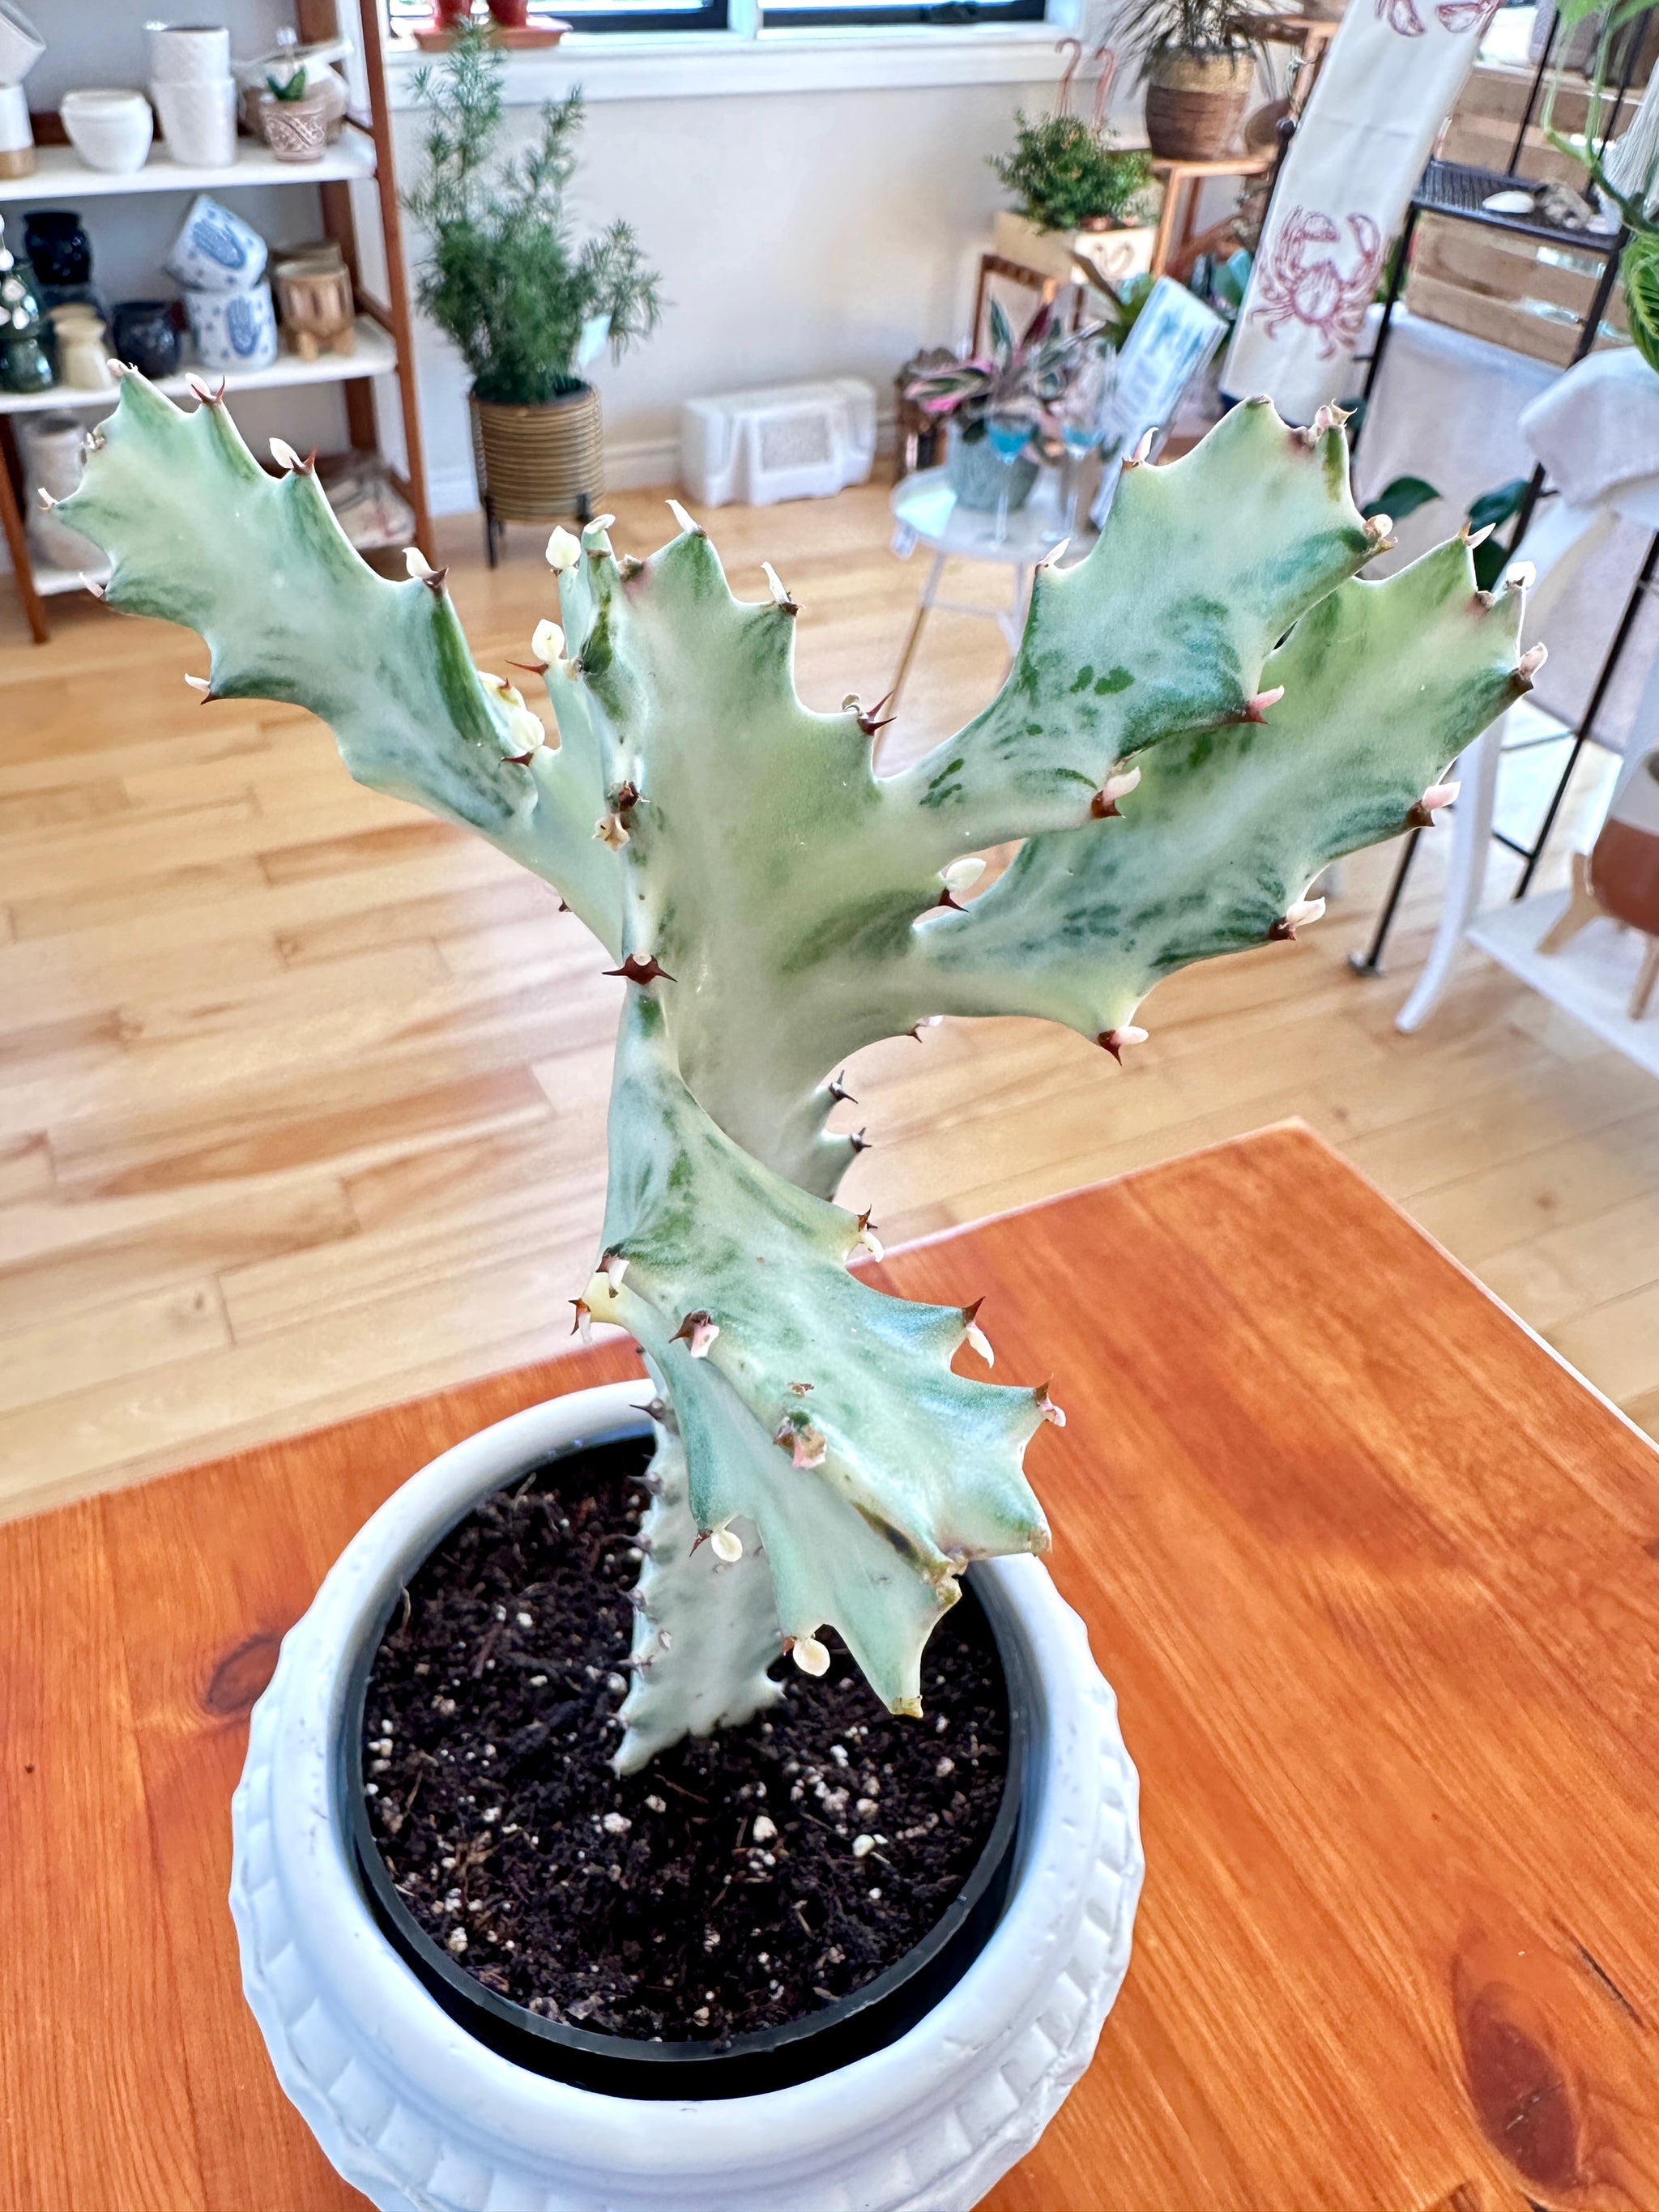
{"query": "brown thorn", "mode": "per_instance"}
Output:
(860, 1141)
(641, 971)
(435, 581)
(1104, 809)
(529, 667)
(838, 1090)
(948, 897)
(702, 1537)
(517, 760)
(970, 1314)
(1281, 932)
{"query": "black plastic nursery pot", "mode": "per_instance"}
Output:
(848, 2028)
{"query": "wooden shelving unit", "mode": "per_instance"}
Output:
(384, 348)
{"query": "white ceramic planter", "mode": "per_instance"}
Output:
(422, 2118)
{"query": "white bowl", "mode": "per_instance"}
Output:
(21, 44)
(188, 53)
(110, 130)
(197, 120)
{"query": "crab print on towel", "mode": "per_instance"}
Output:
(1303, 284)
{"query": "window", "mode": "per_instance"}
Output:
(948, 14)
(407, 16)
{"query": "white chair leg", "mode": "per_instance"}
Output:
(1472, 820)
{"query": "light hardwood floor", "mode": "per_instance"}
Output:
(301, 1094)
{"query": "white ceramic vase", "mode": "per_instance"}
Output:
(420, 2118)
(198, 117)
(110, 129)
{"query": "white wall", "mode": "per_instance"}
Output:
(800, 233)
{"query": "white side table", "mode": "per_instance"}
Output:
(926, 512)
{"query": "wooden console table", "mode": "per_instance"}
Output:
(1378, 1581)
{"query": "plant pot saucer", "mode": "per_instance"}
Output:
(547, 32)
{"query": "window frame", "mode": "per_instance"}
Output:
(910, 14)
(402, 18)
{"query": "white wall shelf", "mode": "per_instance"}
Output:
(60, 174)
(375, 354)
(1592, 978)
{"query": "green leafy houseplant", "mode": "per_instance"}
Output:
(1205, 711)
(1030, 372)
(1199, 60)
(1067, 174)
(504, 279)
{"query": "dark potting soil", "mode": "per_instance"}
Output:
(741, 1880)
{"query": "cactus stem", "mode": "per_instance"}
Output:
(1046, 1405)
(1104, 802)
(583, 1324)
(642, 971)
(697, 1333)
(809, 1656)
(837, 1089)
(1113, 1041)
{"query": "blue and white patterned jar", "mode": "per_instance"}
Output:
(233, 330)
(216, 251)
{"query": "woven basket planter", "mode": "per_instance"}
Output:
(1195, 104)
(539, 463)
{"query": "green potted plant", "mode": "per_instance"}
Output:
(1204, 711)
(1198, 57)
(1020, 379)
(1067, 174)
(293, 117)
(507, 282)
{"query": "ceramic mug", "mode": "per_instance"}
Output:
(16, 134)
(188, 53)
(233, 330)
(110, 129)
(145, 335)
(216, 251)
(21, 44)
(53, 454)
(198, 120)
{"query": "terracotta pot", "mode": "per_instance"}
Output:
(539, 463)
(1195, 104)
(295, 130)
(511, 15)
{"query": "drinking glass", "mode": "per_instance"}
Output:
(1082, 420)
(1009, 429)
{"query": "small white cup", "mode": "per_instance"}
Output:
(16, 135)
(188, 53)
(198, 121)
(21, 44)
(109, 130)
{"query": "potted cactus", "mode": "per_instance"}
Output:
(1198, 720)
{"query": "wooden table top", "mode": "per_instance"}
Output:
(1375, 1577)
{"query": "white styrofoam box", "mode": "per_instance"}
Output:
(790, 441)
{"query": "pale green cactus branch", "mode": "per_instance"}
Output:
(200, 533)
(1219, 842)
(823, 1413)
